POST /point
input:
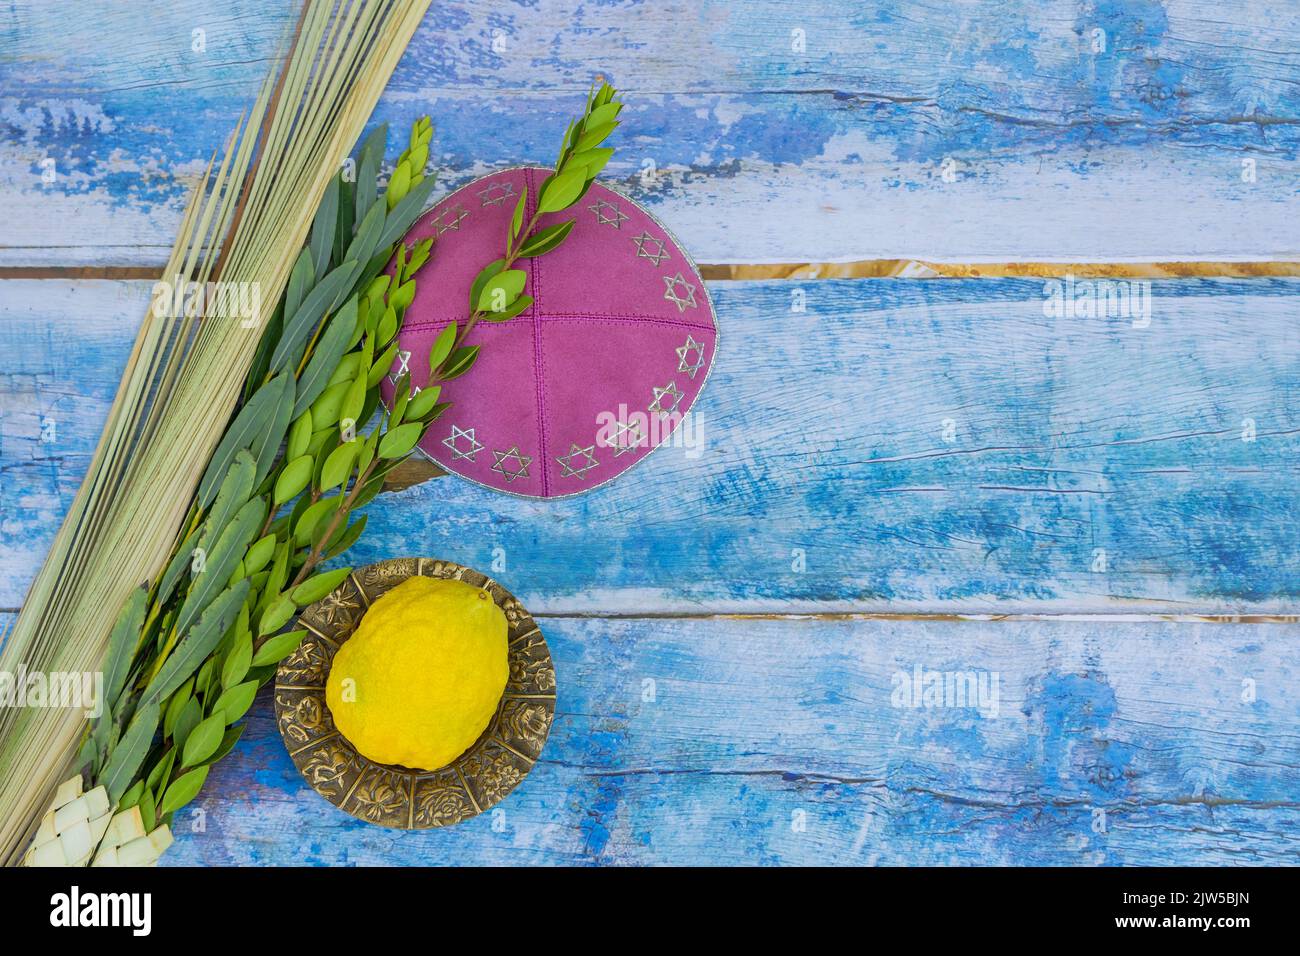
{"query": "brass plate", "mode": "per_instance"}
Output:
(395, 796)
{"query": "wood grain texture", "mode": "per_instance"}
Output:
(947, 132)
(938, 447)
(717, 741)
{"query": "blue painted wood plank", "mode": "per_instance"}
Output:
(1067, 130)
(939, 446)
(744, 741)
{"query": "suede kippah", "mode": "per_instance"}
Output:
(591, 377)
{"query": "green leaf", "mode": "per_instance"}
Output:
(266, 446)
(279, 572)
(368, 451)
(399, 183)
(269, 338)
(161, 767)
(566, 143)
(131, 797)
(381, 366)
(502, 289)
(372, 487)
(179, 564)
(594, 136)
(347, 369)
(517, 219)
(148, 811)
(234, 494)
(203, 679)
(441, 347)
(318, 585)
(253, 419)
(460, 362)
(516, 308)
(234, 703)
(293, 479)
(339, 465)
(419, 256)
(277, 648)
(401, 395)
(347, 210)
(227, 743)
(122, 644)
(175, 704)
(183, 789)
(203, 741)
(298, 326)
(311, 517)
(276, 614)
(375, 291)
(485, 274)
(261, 552)
(405, 212)
(325, 410)
(560, 192)
(372, 403)
(323, 226)
(366, 240)
(603, 114)
(128, 756)
(354, 401)
(341, 540)
(221, 561)
(299, 436)
(372, 152)
(387, 326)
(421, 402)
(238, 660)
(400, 440)
(419, 156)
(189, 718)
(300, 281)
(326, 356)
(186, 657)
(592, 160)
(545, 240)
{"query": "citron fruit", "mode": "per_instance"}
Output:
(421, 677)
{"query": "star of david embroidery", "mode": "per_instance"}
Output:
(672, 295)
(648, 247)
(669, 391)
(566, 461)
(603, 209)
(470, 450)
(497, 193)
(403, 357)
(628, 437)
(451, 219)
(684, 364)
(520, 470)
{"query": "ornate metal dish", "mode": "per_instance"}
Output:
(396, 796)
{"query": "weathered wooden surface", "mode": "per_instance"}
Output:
(897, 447)
(968, 131)
(777, 741)
(927, 446)
(780, 741)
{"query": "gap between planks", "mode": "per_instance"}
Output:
(829, 616)
(860, 269)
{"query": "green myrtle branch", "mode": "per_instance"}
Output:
(183, 658)
(497, 293)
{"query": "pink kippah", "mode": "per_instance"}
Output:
(588, 380)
